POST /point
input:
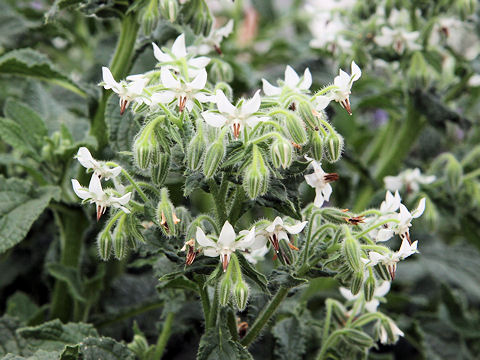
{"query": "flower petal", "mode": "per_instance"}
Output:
(163, 97)
(306, 81)
(95, 186)
(108, 79)
(81, 192)
(160, 55)
(356, 72)
(295, 229)
(203, 240)
(168, 80)
(291, 77)
(269, 89)
(223, 104)
(215, 120)
(200, 80)
(252, 105)
(178, 47)
(420, 209)
(85, 158)
(227, 235)
(199, 62)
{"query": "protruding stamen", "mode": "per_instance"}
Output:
(274, 241)
(181, 103)
(346, 105)
(123, 105)
(355, 220)
(236, 130)
(330, 177)
(225, 262)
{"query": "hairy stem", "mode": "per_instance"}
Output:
(164, 336)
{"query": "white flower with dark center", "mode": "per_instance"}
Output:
(178, 88)
(372, 305)
(99, 168)
(212, 42)
(320, 180)
(226, 243)
(127, 91)
(235, 116)
(410, 180)
(343, 83)
(173, 59)
(405, 217)
(399, 39)
(277, 231)
(391, 259)
(102, 200)
(292, 82)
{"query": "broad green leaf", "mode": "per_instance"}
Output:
(282, 277)
(10, 342)
(14, 135)
(180, 282)
(104, 348)
(31, 63)
(290, 339)
(121, 128)
(20, 206)
(38, 355)
(71, 277)
(19, 305)
(31, 123)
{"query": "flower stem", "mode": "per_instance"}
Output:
(264, 316)
(164, 336)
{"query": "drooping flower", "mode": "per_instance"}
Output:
(99, 168)
(372, 305)
(292, 82)
(205, 45)
(127, 91)
(277, 231)
(178, 88)
(393, 330)
(226, 243)
(405, 217)
(410, 180)
(320, 180)
(235, 116)
(102, 200)
(172, 59)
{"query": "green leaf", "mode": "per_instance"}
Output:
(38, 355)
(53, 335)
(10, 342)
(19, 305)
(282, 277)
(20, 206)
(250, 271)
(121, 128)
(31, 123)
(70, 353)
(31, 63)
(104, 348)
(13, 134)
(71, 277)
(290, 339)
(180, 282)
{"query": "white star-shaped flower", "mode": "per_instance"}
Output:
(102, 200)
(405, 217)
(410, 180)
(399, 39)
(235, 116)
(292, 82)
(320, 180)
(278, 230)
(99, 168)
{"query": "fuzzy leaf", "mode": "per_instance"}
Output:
(30, 122)
(13, 134)
(121, 128)
(10, 342)
(19, 305)
(290, 339)
(104, 348)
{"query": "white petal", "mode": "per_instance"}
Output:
(319, 200)
(168, 80)
(203, 240)
(311, 180)
(115, 172)
(223, 104)
(247, 241)
(95, 186)
(327, 191)
(252, 105)
(291, 77)
(200, 80)
(163, 97)
(322, 102)
(356, 72)
(383, 289)
(252, 121)
(269, 89)
(199, 62)
(375, 257)
(347, 294)
(372, 305)
(384, 235)
(227, 235)
(81, 192)
(108, 79)
(419, 210)
(211, 252)
(295, 229)
(178, 47)
(160, 55)
(306, 81)
(124, 199)
(85, 158)
(215, 120)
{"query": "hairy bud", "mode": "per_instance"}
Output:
(166, 215)
(146, 146)
(255, 179)
(240, 293)
(281, 152)
(104, 243)
(220, 71)
(308, 114)
(150, 17)
(169, 9)
(159, 171)
(352, 252)
(195, 151)
(357, 282)
(357, 337)
(369, 287)
(213, 158)
(198, 16)
(333, 147)
(225, 289)
(296, 129)
(317, 143)
(454, 174)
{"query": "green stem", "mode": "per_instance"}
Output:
(219, 199)
(72, 224)
(329, 343)
(119, 67)
(264, 316)
(212, 316)
(203, 291)
(232, 324)
(328, 317)
(164, 336)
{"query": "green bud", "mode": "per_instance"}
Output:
(333, 147)
(339, 312)
(150, 17)
(104, 244)
(146, 146)
(334, 215)
(169, 9)
(166, 215)
(255, 179)
(139, 346)
(357, 282)
(159, 172)
(357, 338)
(369, 287)
(466, 7)
(213, 158)
(240, 294)
(220, 70)
(431, 217)
(352, 252)
(133, 230)
(225, 289)
(120, 239)
(382, 272)
(418, 72)
(281, 152)
(197, 14)
(286, 255)
(316, 142)
(308, 114)
(195, 151)
(454, 174)
(296, 129)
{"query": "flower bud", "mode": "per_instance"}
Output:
(382, 272)
(150, 17)
(281, 153)
(169, 9)
(213, 158)
(296, 129)
(333, 147)
(133, 230)
(255, 179)
(286, 254)
(146, 146)
(352, 252)
(418, 72)
(454, 174)
(316, 142)
(195, 151)
(225, 289)
(220, 70)
(334, 215)
(308, 114)
(198, 16)
(357, 282)
(104, 243)
(159, 172)
(139, 346)
(165, 214)
(357, 338)
(466, 7)
(120, 247)
(369, 288)
(339, 312)
(240, 294)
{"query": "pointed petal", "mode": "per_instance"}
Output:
(327, 191)
(203, 240)
(178, 47)
(160, 55)
(247, 241)
(200, 80)
(372, 305)
(168, 80)
(124, 199)
(85, 158)
(420, 209)
(115, 172)
(227, 235)
(319, 200)
(295, 229)
(81, 192)
(199, 62)
(210, 252)
(108, 79)
(269, 89)
(375, 257)
(322, 102)
(223, 104)
(252, 105)
(347, 294)
(356, 72)
(215, 120)
(163, 97)
(306, 81)
(383, 289)
(95, 186)
(384, 235)
(291, 77)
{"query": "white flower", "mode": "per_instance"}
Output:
(327, 31)
(320, 180)
(400, 39)
(292, 82)
(391, 259)
(344, 83)
(372, 305)
(409, 180)
(99, 168)
(204, 45)
(172, 59)
(405, 217)
(277, 230)
(127, 91)
(95, 194)
(226, 244)
(255, 255)
(236, 117)
(388, 209)
(184, 92)
(394, 330)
